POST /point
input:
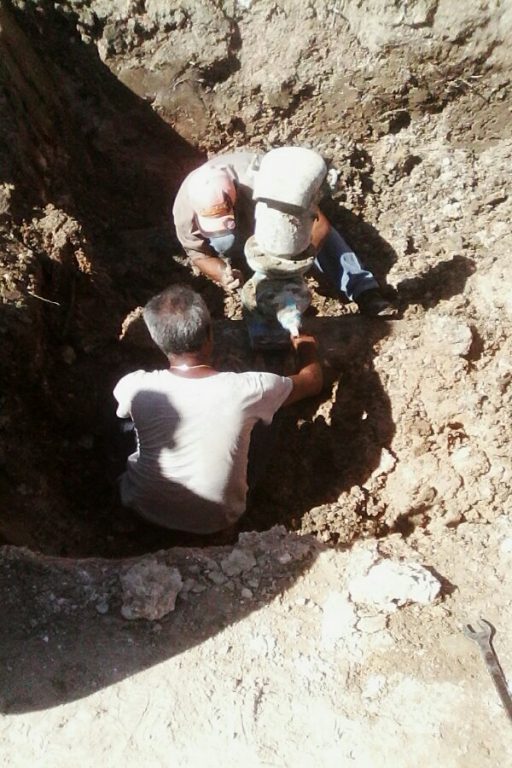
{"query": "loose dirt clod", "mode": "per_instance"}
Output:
(149, 590)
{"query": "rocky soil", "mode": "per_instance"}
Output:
(106, 105)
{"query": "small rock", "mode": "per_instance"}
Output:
(371, 624)
(238, 561)
(448, 335)
(246, 593)
(217, 577)
(102, 607)
(188, 585)
(506, 546)
(332, 178)
(149, 590)
(68, 355)
(469, 462)
(339, 617)
(390, 584)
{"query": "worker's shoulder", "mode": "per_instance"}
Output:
(242, 157)
(241, 164)
(139, 378)
(263, 379)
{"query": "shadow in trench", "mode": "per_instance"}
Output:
(88, 231)
(318, 457)
(438, 283)
(80, 139)
(63, 637)
(325, 447)
(426, 288)
(373, 251)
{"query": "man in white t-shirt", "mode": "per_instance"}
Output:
(194, 423)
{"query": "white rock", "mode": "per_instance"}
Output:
(332, 178)
(470, 463)
(506, 546)
(447, 335)
(339, 618)
(282, 234)
(386, 465)
(390, 584)
(371, 624)
(373, 686)
(291, 175)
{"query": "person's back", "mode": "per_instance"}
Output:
(189, 471)
(194, 424)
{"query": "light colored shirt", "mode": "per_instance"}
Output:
(189, 471)
(241, 166)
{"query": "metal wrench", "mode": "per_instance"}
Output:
(483, 636)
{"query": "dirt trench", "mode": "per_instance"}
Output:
(105, 110)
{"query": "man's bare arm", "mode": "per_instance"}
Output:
(321, 227)
(309, 380)
(220, 271)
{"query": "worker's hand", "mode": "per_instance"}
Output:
(303, 339)
(231, 279)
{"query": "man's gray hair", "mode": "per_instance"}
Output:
(178, 320)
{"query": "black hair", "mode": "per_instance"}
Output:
(178, 320)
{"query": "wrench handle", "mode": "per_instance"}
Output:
(498, 679)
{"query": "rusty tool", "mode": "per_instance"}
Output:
(482, 634)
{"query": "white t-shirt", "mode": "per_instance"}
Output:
(189, 470)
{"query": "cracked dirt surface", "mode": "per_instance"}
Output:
(408, 449)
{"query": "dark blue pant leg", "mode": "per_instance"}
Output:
(340, 265)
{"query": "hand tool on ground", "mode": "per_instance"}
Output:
(482, 634)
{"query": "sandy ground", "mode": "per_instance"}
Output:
(272, 666)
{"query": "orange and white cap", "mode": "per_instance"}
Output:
(212, 195)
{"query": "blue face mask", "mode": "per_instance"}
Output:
(222, 243)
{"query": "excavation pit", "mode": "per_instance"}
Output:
(94, 152)
(88, 186)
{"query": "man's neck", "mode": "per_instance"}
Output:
(191, 365)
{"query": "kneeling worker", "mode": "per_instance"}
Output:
(194, 423)
(214, 215)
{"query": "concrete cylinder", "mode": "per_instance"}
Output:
(282, 234)
(291, 175)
